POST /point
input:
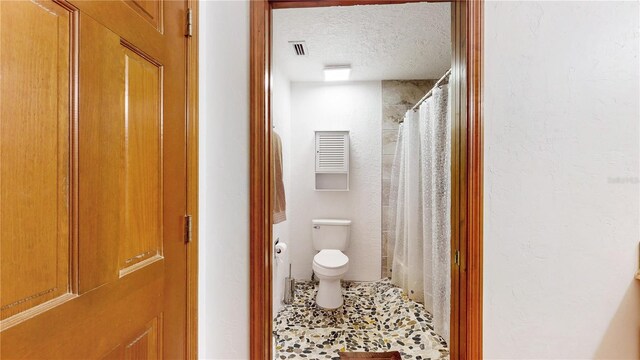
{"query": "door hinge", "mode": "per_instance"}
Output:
(189, 32)
(188, 229)
(456, 258)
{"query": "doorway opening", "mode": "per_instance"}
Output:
(463, 253)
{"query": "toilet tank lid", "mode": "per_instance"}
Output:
(334, 222)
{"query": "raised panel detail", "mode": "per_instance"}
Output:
(101, 153)
(115, 354)
(146, 345)
(143, 161)
(120, 137)
(150, 10)
(35, 116)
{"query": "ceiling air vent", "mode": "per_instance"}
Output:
(299, 47)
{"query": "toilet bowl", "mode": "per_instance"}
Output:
(330, 265)
(330, 238)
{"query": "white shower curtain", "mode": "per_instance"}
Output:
(420, 204)
(408, 259)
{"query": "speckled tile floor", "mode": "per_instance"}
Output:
(376, 316)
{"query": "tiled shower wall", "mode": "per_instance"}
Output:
(398, 96)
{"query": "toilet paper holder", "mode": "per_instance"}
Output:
(275, 247)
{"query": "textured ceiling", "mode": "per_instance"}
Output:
(381, 42)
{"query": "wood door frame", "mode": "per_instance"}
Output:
(192, 183)
(467, 176)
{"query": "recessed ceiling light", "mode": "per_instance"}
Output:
(337, 72)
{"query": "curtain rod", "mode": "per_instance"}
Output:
(438, 83)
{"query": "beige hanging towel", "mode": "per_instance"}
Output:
(279, 201)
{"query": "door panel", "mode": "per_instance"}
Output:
(147, 345)
(101, 152)
(34, 153)
(93, 179)
(91, 325)
(149, 10)
(142, 240)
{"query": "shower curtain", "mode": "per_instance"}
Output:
(420, 205)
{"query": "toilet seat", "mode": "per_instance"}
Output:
(330, 259)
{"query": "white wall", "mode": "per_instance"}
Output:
(223, 299)
(561, 180)
(354, 106)
(281, 117)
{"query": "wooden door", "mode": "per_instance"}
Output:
(93, 179)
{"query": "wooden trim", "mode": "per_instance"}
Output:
(35, 311)
(74, 135)
(260, 249)
(192, 184)
(467, 99)
(456, 83)
(467, 175)
(471, 279)
(290, 4)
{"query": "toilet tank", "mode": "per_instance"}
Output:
(331, 234)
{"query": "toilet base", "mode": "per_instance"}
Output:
(329, 294)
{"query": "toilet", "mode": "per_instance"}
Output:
(330, 238)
